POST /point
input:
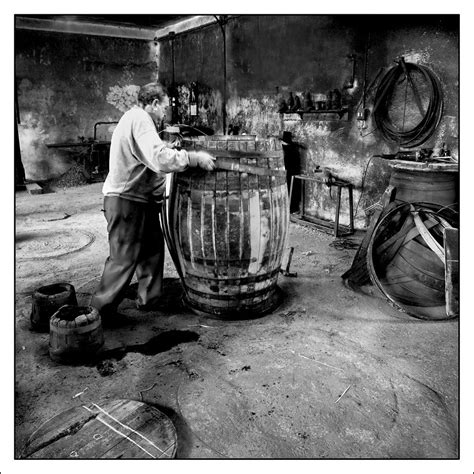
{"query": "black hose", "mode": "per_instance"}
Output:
(426, 127)
(165, 227)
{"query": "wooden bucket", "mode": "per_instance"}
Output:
(47, 300)
(75, 334)
(403, 265)
(229, 227)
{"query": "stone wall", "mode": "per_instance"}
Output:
(268, 56)
(68, 82)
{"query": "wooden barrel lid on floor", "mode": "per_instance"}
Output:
(117, 429)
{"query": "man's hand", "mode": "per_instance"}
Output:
(202, 159)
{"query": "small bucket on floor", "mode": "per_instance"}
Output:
(47, 300)
(75, 334)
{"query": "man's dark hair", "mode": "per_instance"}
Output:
(149, 92)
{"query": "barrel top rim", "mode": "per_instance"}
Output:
(429, 167)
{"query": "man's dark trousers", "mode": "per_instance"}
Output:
(135, 245)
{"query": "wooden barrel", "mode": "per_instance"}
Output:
(114, 429)
(230, 227)
(47, 300)
(417, 184)
(75, 334)
(402, 262)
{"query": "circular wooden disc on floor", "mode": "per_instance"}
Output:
(41, 244)
(117, 429)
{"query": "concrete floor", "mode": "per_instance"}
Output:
(266, 388)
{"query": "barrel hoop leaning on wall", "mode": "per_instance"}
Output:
(230, 226)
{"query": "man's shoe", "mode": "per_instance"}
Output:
(113, 320)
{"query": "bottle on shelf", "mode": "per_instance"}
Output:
(193, 100)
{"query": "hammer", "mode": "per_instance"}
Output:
(287, 272)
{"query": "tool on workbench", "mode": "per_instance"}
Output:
(412, 155)
(444, 151)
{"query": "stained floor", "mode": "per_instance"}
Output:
(331, 373)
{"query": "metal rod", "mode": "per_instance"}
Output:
(224, 100)
(291, 192)
(366, 65)
(171, 38)
(338, 209)
(100, 123)
(222, 22)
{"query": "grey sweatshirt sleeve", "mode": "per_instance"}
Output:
(153, 153)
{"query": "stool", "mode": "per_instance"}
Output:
(324, 225)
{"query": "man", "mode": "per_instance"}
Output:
(133, 189)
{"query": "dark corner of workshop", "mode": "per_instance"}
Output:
(236, 236)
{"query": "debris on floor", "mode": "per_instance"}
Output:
(261, 388)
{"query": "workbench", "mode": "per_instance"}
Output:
(335, 227)
(97, 165)
(97, 152)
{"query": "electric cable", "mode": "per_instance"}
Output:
(194, 128)
(427, 125)
(364, 175)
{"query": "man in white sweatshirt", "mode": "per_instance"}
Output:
(133, 190)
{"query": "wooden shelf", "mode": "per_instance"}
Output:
(77, 144)
(314, 113)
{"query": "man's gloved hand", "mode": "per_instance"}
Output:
(202, 159)
(174, 142)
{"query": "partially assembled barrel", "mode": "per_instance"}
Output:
(436, 183)
(229, 227)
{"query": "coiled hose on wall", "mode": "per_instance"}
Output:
(426, 127)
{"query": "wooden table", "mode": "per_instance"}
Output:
(334, 227)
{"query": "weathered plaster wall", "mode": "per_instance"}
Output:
(269, 56)
(195, 57)
(68, 82)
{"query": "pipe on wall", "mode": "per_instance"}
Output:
(222, 20)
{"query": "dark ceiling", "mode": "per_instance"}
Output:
(142, 21)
